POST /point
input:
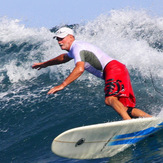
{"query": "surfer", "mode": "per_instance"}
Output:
(118, 89)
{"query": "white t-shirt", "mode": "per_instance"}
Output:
(94, 58)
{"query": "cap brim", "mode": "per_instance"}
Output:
(59, 37)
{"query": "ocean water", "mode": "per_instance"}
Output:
(30, 119)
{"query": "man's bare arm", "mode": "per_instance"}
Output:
(63, 58)
(76, 73)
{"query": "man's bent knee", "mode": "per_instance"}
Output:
(109, 100)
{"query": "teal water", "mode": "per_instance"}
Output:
(30, 119)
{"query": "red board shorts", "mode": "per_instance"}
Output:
(118, 84)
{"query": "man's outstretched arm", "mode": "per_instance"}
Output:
(63, 58)
(76, 73)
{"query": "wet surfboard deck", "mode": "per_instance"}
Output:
(104, 140)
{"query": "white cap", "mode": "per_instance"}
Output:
(63, 32)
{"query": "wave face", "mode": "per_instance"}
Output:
(30, 119)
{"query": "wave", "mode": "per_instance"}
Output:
(132, 37)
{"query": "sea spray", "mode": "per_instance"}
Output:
(30, 119)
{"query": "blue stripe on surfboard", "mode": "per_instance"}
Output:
(140, 134)
(128, 141)
(160, 124)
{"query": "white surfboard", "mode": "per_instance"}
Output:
(104, 140)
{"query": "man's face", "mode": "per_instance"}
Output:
(65, 43)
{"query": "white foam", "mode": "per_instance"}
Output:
(117, 34)
(161, 113)
(126, 35)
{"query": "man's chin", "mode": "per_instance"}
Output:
(63, 48)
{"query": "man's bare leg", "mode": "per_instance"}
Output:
(118, 107)
(139, 113)
(122, 110)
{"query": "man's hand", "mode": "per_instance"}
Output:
(38, 66)
(77, 71)
(56, 89)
